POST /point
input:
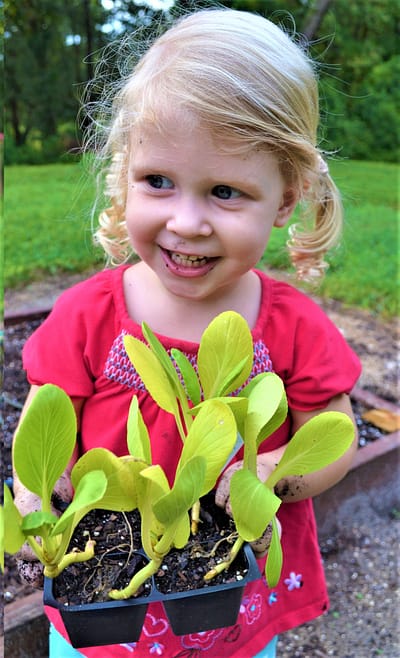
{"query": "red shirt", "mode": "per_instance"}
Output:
(80, 348)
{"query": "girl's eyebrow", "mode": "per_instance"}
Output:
(150, 164)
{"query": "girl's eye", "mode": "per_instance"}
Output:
(159, 182)
(226, 192)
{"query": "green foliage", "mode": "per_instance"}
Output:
(224, 363)
(45, 45)
(45, 442)
(40, 151)
(43, 446)
(62, 43)
(360, 86)
(46, 436)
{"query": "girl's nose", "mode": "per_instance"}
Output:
(189, 219)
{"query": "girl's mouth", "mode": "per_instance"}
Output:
(187, 261)
(187, 264)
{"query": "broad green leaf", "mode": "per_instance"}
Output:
(232, 378)
(38, 523)
(253, 504)
(151, 486)
(186, 490)
(45, 441)
(165, 361)
(134, 467)
(137, 435)
(120, 494)
(152, 374)
(13, 535)
(182, 532)
(212, 436)
(319, 442)
(158, 479)
(189, 376)
(226, 343)
(276, 421)
(142, 489)
(237, 405)
(265, 400)
(91, 488)
(273, 566)
(163, 358)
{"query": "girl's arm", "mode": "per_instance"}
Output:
(293, 489)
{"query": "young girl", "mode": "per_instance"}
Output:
(212, 143)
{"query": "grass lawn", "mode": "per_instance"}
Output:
(47, 212)
(48, 230)
(364, 269)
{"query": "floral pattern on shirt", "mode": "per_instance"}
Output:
(119, 368)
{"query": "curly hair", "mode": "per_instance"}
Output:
(252, 86)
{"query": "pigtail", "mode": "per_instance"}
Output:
(320, 229)
(112, 234)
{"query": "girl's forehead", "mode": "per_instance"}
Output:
(180, 125)
(166, 122)
(196, 153)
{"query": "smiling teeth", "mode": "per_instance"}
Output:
(188, 261)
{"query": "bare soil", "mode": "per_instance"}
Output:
(118, 547)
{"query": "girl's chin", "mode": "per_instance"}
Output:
(192, 288)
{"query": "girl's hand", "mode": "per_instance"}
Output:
(28, 565)
(266, 463)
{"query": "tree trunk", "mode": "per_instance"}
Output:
(89, 37)
(19, 135)
(313, 23)
(89, 56)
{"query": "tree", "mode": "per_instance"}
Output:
(46, 42)
(355, 47)
(52, 48)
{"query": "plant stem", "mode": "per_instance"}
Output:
(36, 547)
(53, 570)
(222, 566)
(195, 516)
(137, 581)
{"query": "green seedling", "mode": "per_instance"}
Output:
(164, 510)
(224, 364)
(43, 446)
(212, 405)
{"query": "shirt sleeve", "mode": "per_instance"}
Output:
(308, 351)
(68, 348)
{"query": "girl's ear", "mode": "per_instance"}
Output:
(289, 202)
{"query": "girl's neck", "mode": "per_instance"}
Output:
(182, 318)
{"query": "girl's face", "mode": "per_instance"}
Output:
(198, 216)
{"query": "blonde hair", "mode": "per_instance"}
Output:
(247, 81)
